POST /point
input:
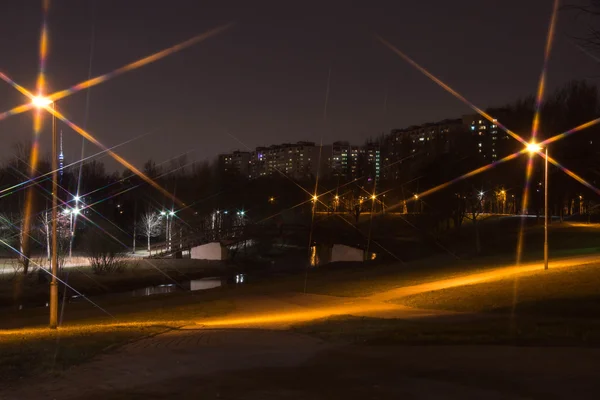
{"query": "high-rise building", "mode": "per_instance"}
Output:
(344, 160)
(416, 145)
(237, 162)
(371, 159)
(487, 136)
(299, 160)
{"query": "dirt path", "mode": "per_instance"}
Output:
(263, 364)
(286, 309)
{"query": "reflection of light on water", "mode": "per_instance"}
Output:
(373, 256)
(151, 290)
(314, 258)
(205, 283)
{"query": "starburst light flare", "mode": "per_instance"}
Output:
(570, 132)
(102, 78)
(542, 82)
(449, 89)
(114, 155)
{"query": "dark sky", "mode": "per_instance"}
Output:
(264, 81)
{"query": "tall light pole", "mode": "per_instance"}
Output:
(536, 148)
(43, 102)
(168, 214)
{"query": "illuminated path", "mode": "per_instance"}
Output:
(487, 276)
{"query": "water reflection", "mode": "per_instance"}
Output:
(205, 283)
(193, 285)
(160, 289)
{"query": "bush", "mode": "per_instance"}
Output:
(104, 257)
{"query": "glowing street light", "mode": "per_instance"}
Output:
(533, 148)
(163, 213)
(373, 197)
(416, 197)
(41, 101)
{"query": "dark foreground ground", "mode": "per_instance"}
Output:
(262, 364)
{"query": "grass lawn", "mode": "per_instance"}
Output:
(87, 332)
(49, 352)
(555, 307)
(565, 292)
(496, 330)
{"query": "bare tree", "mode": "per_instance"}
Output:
(588, 15)
(63, 234)
(150, 225)
(45, 228)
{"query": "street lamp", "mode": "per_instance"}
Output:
(536, 148)
(168, 226)
(40, 102)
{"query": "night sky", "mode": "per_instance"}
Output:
(264, 81)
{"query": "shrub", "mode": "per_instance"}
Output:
(104, 257)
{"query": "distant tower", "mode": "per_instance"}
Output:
(61, 158)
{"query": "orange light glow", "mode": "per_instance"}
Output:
(140, 63)
(542, 81)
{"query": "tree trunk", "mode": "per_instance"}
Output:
(47, 227)
(149, 253)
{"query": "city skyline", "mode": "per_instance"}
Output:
(207, 103)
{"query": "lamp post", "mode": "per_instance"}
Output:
(168, 214)
(536, 148)
(44, 102)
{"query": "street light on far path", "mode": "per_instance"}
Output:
(536, 148)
